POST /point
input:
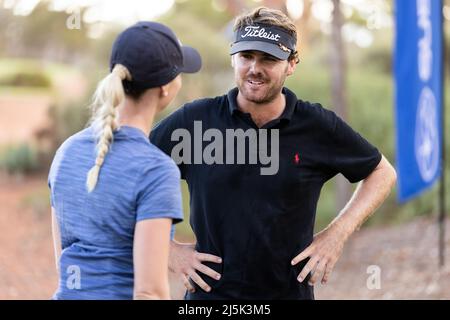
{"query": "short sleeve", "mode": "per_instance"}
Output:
(161, 134)
(348, 152)
(159, 193)
(51, 175)
(50, 187)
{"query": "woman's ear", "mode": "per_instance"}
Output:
(164, 91)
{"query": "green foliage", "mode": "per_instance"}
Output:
(24, 76)
(380, 58)
(210, 12)
(19, 159)
(183, 229)
(26, 79)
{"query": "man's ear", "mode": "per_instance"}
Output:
(232, 60)
(291, 67)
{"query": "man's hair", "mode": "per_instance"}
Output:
(270, 17)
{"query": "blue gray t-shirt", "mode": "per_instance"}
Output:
(137, 181)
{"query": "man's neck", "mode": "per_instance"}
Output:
(262, 113)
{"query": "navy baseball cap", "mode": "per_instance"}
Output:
(266, 38)
(153, 55)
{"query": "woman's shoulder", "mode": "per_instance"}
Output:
(159, 157)
(79, 138)
(155, 168)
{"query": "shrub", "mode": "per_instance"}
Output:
(19, 159)
(26, 79)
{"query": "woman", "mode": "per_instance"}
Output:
(114, 195)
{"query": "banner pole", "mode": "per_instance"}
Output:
(443, 158)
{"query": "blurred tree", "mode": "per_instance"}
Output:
(233, 7)
(42, 34)
(304, 27)
(212, 42)
(212, 13)
(276, 4)
(338, 88)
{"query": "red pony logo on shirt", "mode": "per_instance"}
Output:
(297, 158)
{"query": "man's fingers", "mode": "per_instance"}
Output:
(187, 284)
(198, 280)
(208, 271)
(327, 273)
(317, 272)
(302, 256)
(208, 257)
(307, 269)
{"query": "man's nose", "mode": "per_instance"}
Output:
(255, 66)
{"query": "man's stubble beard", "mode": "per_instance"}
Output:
(271, 94)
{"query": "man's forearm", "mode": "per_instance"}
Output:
(368, 196)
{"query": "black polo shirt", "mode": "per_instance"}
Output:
(259, 223)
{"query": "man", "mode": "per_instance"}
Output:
(253, 220)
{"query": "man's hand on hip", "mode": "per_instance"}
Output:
(323, 254)
(186, 261)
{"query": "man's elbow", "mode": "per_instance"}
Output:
(389, 176)
(394, 177)
(388, 173)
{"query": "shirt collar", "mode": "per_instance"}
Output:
(291, 101)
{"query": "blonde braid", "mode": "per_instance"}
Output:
(108, 96)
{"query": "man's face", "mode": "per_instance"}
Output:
(260, 76)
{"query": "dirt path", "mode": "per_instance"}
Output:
(22, 116)
(406, 255)
(27, 269)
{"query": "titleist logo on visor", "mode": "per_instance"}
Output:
(258, 32)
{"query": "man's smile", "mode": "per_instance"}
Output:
(255, 84)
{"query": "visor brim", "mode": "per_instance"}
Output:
(269, 48)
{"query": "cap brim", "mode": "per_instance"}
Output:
(192, 61)
(266, 47)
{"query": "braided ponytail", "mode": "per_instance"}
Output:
(108, 96)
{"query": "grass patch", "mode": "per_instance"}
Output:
(30, 76)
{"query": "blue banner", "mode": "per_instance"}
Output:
(418, 77)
